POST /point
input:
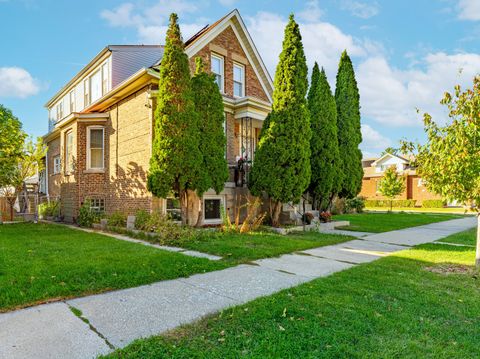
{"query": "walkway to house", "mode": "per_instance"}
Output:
(90, 326)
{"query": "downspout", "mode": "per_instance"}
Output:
(46, 174)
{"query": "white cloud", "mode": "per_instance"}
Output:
(312, 12)
(151, 20)
(390, 96)
(17, 82)
(372, 139)
(360, 9)
(469, 9)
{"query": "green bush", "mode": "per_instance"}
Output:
(87, 216)
(338, 206)
(397, 203)
(356, 204)
(433, 203)
(117, 219)
(142, 218)
(49, 209)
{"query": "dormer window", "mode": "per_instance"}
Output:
(86, 92)
(238, 80)
(60, 110)
(218, 70)
(72, 101)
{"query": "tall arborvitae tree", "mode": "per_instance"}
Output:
(176, 159)
(349, 132)
(209, 107)
(324, 142)
(281, 168)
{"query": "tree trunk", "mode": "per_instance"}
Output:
(200, 214)
(477, 257)
(184, 206)
(275, 211)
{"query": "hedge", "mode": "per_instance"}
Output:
(396, 203)
(433, 203)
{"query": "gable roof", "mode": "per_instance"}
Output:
(381, 159)
(235, 21)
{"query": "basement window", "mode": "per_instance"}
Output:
(97, 205)
(173, 209)
(212, 209)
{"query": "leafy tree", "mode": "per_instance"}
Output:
(324, 142)
(391, 185)
(449, 161)
(176, 159)
(349, 132)
(11, 145)
(281, 168)
(209, 106)
(390, 150)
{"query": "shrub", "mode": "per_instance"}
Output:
(325, 217)
(433, 203)
(87, 216)
(338, 206)
(117, 219)
(396, 203)
(49, 209)
(356, 204)
(141, 219)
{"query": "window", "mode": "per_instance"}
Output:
(57, 164)
(95, 141)
(69, 152)
(212, 207)
(238, 80)
(96, 86)
(217, 70)
(72, 101)
(174, 211)
(420, 182)
(60, 110)
(105, 78)
(86, 92)
(97, 205)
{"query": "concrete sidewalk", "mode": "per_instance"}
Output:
(113, 320)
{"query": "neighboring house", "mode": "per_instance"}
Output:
(101, 122)
(374, 169)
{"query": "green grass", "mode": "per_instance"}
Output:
(395, 307)
(458, 210)
(384, 222)
(466, 237)
(41, 262)
(241, 248)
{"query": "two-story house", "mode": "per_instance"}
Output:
(101, 122)
(373, 171)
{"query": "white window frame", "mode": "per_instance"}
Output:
(72, 101)
(96, 204)
(86, 92)
(105, 68)
(89, 129)
(222, 69)
(69, 167)
(222, 205)
(241, 67)
(57, 164)
(60, 110)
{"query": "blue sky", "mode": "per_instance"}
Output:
(406, 52)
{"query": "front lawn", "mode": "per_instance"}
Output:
(384, 222)
(41, 262)
(467, 237)
(402, 306)
(241, 248)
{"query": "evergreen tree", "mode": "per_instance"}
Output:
(209, 107)
(349, 132)
(281, 168)
(176, 159)
(324, 142)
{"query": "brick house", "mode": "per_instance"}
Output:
(101, 122)
(374, 169)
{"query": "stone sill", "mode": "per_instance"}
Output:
(96, 170)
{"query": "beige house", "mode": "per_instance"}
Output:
(101, 122)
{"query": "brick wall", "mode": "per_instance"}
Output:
(226, 44)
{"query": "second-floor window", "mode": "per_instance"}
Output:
(86, 92)
(69, 152)
(96, 86)
(95, 148)
(60, 110)
(217, 70)
(238, 80)
(72, 101)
